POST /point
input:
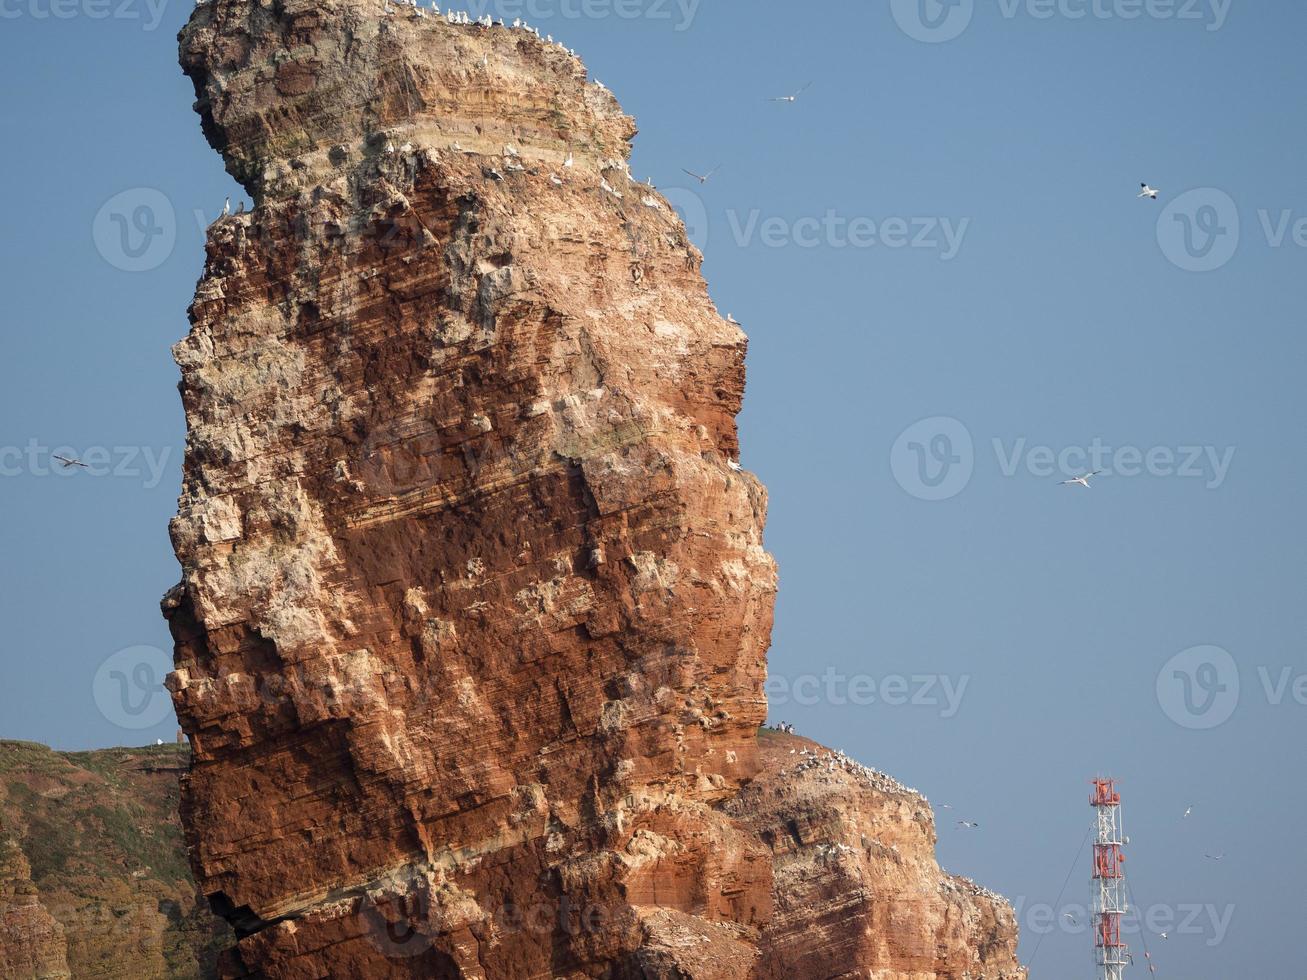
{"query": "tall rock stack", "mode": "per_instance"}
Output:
(471, 639)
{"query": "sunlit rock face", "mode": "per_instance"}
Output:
(471, 639)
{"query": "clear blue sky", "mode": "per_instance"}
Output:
(1061, 319)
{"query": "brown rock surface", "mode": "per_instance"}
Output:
(858, 890)
(472, 633)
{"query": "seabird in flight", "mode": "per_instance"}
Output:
(703, 178)
(1080, 481)
(794, 97)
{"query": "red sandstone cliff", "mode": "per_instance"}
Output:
(471, 639)
(32, 945)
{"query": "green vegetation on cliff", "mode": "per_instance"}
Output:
(101, 834)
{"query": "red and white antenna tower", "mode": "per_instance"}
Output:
(1109, 899)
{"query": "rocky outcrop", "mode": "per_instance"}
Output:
(471, 639)
(110, 894)
(32, 943)
(858, 890)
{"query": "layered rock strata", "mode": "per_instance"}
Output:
(471, 638)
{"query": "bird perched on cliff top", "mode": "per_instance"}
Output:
(608, 188)
(703, 178)
(731, 319)
(1149, 192)
(69, 462)
(569, 162)
(240, 208)
(734, 465)
(792, 98)
(226, 207)
(555, 179)
(1080, 481)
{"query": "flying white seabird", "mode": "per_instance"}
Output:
(1080, 481)
(703, 178)
(1149, 192)
(792, 98)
